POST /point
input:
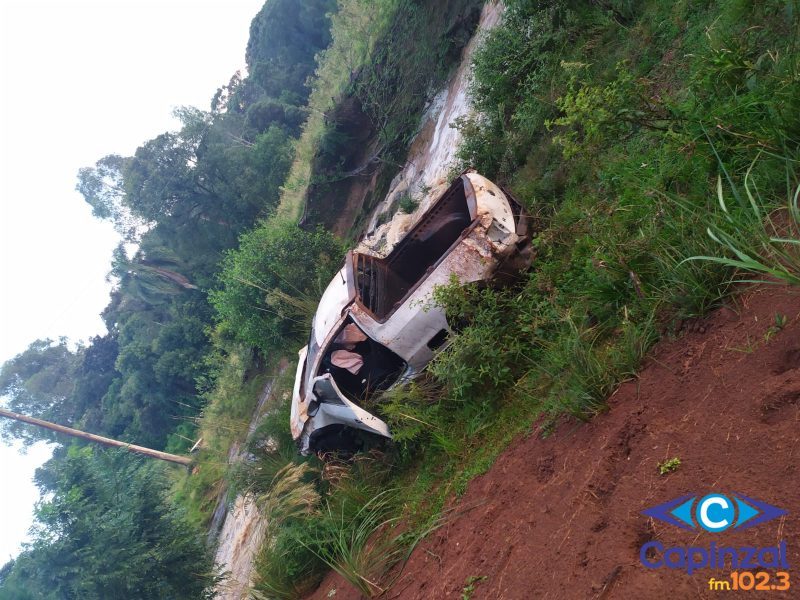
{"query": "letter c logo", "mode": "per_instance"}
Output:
(715, 513)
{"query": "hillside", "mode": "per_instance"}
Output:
(560, 517)
(649, 353)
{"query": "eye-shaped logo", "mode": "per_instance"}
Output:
(714, 512)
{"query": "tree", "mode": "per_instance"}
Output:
(106, 532)
(276, 266)
(285, 36)
(102, 186)
(39, 382)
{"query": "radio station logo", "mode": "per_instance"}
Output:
(714, 512)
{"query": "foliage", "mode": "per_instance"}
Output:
(371, 110)
(407, 204)
(285, 37)
(469, 586)
(180, 201)
(287, 567)
(264, 299)
(289, 496)
(514, 83)
(762, 240)
(657, 104)
(355, 27)
(593, 114)
(669, 466)
(39, 383)
(363, 547)
(107, 531)
(228, 407)
(655, 100)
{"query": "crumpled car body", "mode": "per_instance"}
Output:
(376, 325)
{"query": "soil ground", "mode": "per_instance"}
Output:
(560, 517)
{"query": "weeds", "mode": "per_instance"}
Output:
(669, 466)
(408, 204)
(291, 495)
(363, 549)
(469, 586)
(776, 327)
(657, 98)
(764, 241)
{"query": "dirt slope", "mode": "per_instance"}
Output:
(239, 531)
(560, 517)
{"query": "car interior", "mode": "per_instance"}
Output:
(359, 365)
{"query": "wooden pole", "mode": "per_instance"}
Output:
(181, 460)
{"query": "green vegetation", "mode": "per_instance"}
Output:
(611, 122)
(180, 202)
(641, 137)
(777, 326)
(265, 300)
(469, 586)
(611, 127)
(360, 550)
(764, 240)
(376, 84)
(669, 466)
(107, 530)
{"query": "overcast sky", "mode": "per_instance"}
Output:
(81, 80)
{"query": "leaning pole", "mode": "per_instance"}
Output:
(181, 460)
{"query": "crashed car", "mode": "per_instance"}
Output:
(376, 326)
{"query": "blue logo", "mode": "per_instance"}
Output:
(714, 512)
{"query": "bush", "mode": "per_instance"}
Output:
(271, 284)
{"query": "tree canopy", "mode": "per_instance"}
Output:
(181, 202)
(107, 531)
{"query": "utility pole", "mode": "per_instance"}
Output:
(181, 460)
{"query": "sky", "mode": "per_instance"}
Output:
(81, 80)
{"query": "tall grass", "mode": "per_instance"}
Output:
(617, 214)
(229, 407)
(763, 239)
(292, 494)
(355, 28)
(362, 549)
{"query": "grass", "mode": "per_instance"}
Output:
(362, 547)
(610, 273)
(665, 120)
(764, 240)
(355, 28)
(230, 404)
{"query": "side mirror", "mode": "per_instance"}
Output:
(313, 407)
(325, 390)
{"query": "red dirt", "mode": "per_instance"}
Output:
(560, 517)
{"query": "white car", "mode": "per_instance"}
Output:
(376, 326)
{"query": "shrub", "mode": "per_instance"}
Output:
(270, 285)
